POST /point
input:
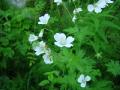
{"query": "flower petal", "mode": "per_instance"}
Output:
(47, 59)
(98, 10)
(90, 7)
(101, 4)
(59, 36)
(83, 85)
(68, 45)
(44, 19)
(81, 78)
(58, 44)
(87, 78)
(32, 38)
(69, 40)
(40, 48)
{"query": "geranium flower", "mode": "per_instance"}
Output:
(92, 8)
(39, 48)
(58, 2)
(62, 41)
(77, 10)
(97, 7)
(44, 19)
(74, 19)
(83, 80)
(32, 38)
(47, 57)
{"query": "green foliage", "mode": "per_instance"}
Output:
(113, 67)
(97, 41)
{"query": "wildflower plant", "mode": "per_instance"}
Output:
(60, 45)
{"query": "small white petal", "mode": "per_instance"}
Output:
(87, 78)
(98, 10)
(58, 44)
(69, 39)
(44, 19)
(41, 33)
(101, 4)
(59, 36)
(32, 38)
(83, 85)
(40, 48)
(68, 45)
(81, 78)
(47, 59)
(74, 19)
(77, 10)
(38, 51)
(90, 7)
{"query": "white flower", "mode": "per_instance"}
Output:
(83, 80)
(58, 2)
(47, 57)
(44, 19)
(74, 19)
(40, 48)
(101, 4)
(90, 7)
(62, 41)
(77, 10)
(95, 8)
(41, 33)
(32, 38)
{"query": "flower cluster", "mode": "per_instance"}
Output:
(61, 40)
(76, 11)
(97, 7)
(40, 47)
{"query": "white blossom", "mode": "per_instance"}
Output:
(74, 19)
(58, 2)
(47, 57)
(32, 38)
(62, 41)
(83, 80)
(101, 4)
(41, 33)
(94, 7)
(98, 6)
(40, 48)
(77, 10)
(44, 19)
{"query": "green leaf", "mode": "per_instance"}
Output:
(113, 67)
(43, 83)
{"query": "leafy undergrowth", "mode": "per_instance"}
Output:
(65, 50)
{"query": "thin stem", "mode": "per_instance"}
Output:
(67, 10)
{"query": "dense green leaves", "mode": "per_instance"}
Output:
(113, 67)
(95, 51)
